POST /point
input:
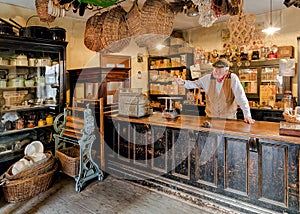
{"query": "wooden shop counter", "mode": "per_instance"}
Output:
(249, 168)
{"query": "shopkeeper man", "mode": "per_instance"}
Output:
(223, 92)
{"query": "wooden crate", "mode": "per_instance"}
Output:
(285, 51)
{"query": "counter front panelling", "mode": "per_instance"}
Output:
(250, 168)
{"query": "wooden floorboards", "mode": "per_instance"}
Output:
(111, 196)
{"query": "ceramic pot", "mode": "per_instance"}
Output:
(22, 60)
(16, 82)
(3, 83)
(29, 83)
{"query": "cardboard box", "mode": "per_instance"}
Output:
(285, 51)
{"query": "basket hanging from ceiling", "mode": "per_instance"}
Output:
(101, 3)
(42, 11)
(133, 19)
(93, 32)
(241, 27)
(115, 34)
(157, 20)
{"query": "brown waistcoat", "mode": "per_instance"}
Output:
(220, 105)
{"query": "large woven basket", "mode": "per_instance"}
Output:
(157, 19)
(133, 19)
(69, 160)
(93, 32)
(36, 169)
(23, 189)
(42, 11)
(291, 118)
(115, 34)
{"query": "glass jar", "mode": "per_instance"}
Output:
(287, 101)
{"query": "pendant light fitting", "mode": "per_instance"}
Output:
(271, 29)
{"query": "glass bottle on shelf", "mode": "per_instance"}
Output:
(287, 101)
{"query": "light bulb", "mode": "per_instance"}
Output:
(270, 30)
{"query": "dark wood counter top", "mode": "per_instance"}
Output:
(260, 129)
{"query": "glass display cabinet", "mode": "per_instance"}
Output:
(32, 88)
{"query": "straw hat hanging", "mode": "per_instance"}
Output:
(241, 27)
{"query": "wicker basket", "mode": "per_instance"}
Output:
(133, 19)
(69, 160)
(115, 34)
(23, 189)
(42, 11)
(157, 18)
(93, 32)
(37, 169)
(291, 118)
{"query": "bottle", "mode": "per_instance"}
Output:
(287, 101)
(20, 123)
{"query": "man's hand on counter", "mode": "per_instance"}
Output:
(249, 120)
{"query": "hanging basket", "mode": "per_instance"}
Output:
(157, 19)
(42, 11)
(241, 28)
(133, 19)
(115, 34)
(93, 32)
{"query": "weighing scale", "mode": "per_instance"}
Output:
(169, 111)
